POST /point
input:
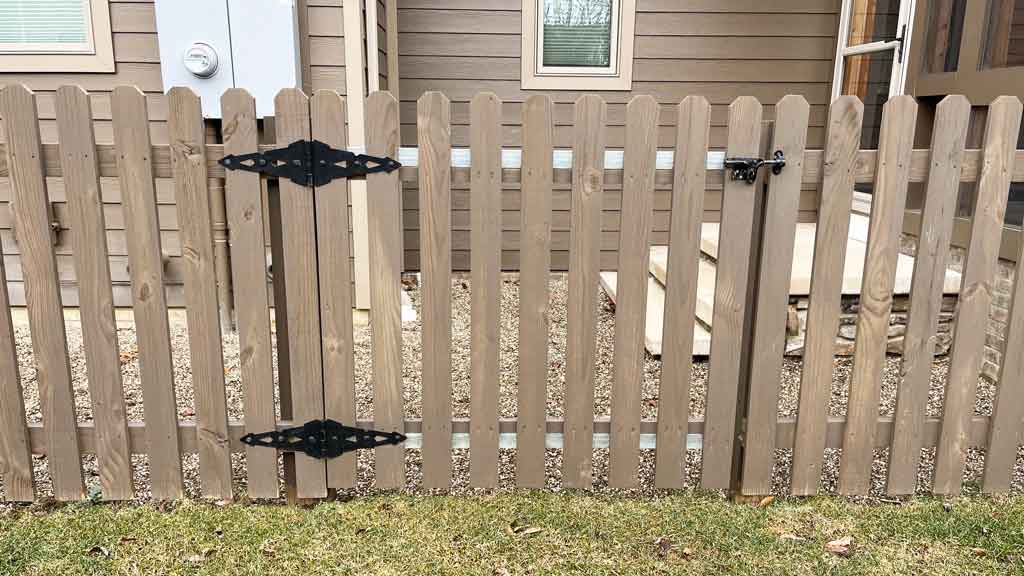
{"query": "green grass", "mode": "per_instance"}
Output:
(518, 533)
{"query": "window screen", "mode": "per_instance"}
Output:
(42, 26)
(577, 33)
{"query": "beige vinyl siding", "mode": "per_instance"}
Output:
(721, 49)
(137, 58)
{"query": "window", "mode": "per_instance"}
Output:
(1004, 45)
(945, 30)
(578, 44)
(55, 36)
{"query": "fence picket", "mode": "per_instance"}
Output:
(134, 164)
(485, 203)
(434, 129)
(298, 243)
(590, 116)
(782, 205)
(42, 295)
(249, 273)
(96, 299)
(1004, 115)
(833, 228)
(728, 317)
(188, 162)
(947, 151)
(1005, 427)
(693, 125)
(384, 194)
(631, 289)
(327, 112)
(15, 452)
(896, 142)
(535, 268)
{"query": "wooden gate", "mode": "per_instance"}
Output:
(561, 199)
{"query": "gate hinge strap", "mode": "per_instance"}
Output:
(323, 439)
(309, 163)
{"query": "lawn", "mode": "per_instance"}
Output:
(519, 533)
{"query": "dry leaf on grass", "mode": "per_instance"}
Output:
(98, 551)
(792, 537)
(664, 546)
(766, 501)
(841, 546)
(516, 529)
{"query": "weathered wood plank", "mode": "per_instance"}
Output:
(844, 121)
(249, 274)
(485, 204)
(205, 351)
(39, 265)
(730, 313)
(782, 206)
(534, 318)
(15, 451)
(1004, 115)
(948, 138)
(631, 301)
(384, 195)
(581, 348)
(434, 131)
(96, 298)
(896, 140)
(1005, 429)
(327, 112)
(131, 135)
(693, 126)
(298, 233)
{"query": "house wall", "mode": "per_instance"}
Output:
(721, 49)
(137, 58)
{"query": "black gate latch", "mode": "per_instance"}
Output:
(323, 439)
(746, 168)
(309, 163)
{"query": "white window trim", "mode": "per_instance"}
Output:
(99, 59)
(619, 76)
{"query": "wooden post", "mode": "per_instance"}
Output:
(221, 248)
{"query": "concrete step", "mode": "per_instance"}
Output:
(654, 323)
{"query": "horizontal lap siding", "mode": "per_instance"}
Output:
(137, 58)
(721, 49)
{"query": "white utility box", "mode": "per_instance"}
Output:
(213, 45)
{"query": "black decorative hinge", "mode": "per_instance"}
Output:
(323, 439)
(309, 163)
(746, 168)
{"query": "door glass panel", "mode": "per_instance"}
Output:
(873, 21)
(867, 76)
(1004, 34)
(945, 29)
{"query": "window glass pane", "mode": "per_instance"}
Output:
(867, 76)
(44, 25)
(874, 21)
(945, 28)
(1004, 35)
(577, 33)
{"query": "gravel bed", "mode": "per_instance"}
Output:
(788, 400)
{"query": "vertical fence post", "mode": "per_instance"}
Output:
(832, 231)
(485, 238)
(693, 125)
(42, 293)
(947, 150)
(249, 268)
(590, 115)
(434, 129)
(731, 308)
(631, 287)
(15, 452)
(773, 271)
(188, 162)
(95, 297)
(535, 249)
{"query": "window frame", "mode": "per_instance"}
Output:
(618, 76)
(99, 59)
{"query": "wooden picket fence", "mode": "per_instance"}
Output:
(741, 430)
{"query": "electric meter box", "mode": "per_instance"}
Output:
(213, 45)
